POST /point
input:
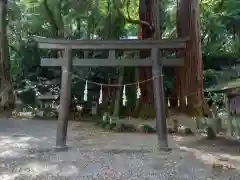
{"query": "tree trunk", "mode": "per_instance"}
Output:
(117, 103)
(189, 79)
(146, 13)
(7, 96)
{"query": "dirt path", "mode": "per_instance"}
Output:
(26, 153)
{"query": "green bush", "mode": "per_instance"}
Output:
(121, 127)
(28, 96)
(112, 126)
(144, 128)
(104, 124)
(210, 133)
(146, 112)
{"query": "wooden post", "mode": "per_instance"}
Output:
(65, 99)
(159, 100)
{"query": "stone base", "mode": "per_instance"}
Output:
(165, 149)
(60, 148)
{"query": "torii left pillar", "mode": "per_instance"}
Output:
(65, 99)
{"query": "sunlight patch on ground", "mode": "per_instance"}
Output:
(9, 153)
(69, 170)
(38, 168)
(178, 138)
(229, 156)
(13, 142)
(34, 170)
(8, 144)
(213, 160)
(8, 176)
(15, 145)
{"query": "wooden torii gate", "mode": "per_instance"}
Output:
(156, 61)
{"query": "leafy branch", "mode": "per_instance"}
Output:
(129, 19)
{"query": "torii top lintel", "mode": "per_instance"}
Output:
(49, 43)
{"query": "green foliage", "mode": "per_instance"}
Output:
(236, 48)
(210, 133)
(115, 125)
(95, 19)
(28, 96)
(124, 127)
(145, 128)
(146, 112)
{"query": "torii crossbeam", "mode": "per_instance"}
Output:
(156, 61)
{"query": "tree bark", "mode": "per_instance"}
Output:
(7, 96)
(117, 103)
(146, 14)
(189, 79)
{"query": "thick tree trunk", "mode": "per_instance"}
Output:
(6, 94)
(145, 13)
(117, 103)
(189, 81)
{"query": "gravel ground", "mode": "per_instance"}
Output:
(26, 153)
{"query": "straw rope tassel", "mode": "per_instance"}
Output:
(138, 91)
(178, 102)
(169, 105)
(85, 91)
(100, 96)
(110, 120)
(124, 96)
